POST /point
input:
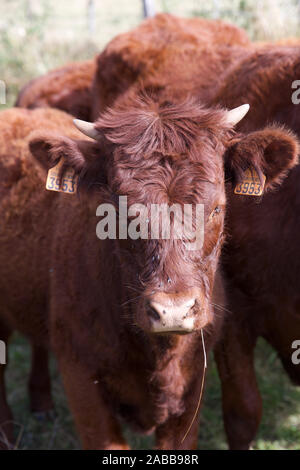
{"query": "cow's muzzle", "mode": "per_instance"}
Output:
(169, 315)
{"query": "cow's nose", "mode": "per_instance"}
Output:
(172, 317)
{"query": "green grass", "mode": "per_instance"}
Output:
(280, 427)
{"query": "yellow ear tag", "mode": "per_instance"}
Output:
(68, 182)
(251, 185)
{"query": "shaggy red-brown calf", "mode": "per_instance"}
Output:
(262, 256)
(108, 302)
(67, 88)
(154, 49)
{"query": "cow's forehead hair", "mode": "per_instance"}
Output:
(143, 126)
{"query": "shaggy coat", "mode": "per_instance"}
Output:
(261, 259)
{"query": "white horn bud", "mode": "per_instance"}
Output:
(236, 115)
(87, 128)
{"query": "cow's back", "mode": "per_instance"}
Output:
(179, 56)
(66, 88)
(262, 255)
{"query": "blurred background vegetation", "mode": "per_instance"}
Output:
(37, 35)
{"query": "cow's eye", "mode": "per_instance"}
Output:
(215, 212)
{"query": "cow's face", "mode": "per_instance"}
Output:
(162, 157)
(171, 271)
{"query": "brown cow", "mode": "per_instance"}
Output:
(67, 88)
(156, 47)
(152, 381)
(29, 253)
(25, 247)
(262, 256)
(108, 302)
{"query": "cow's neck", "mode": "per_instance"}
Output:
(158, 351)
(165, 365)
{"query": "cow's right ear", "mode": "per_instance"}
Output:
(84, 157)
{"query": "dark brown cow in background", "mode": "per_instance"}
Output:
(261, 258)
(67, 88)
(154, 48)
(199, 50)
(25, 248)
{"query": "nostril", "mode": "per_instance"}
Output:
(153, 313)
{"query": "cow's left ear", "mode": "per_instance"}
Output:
(49, 148)
(272, 152)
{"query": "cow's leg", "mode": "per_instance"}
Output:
(171, 435)
(97, 427)
(6, 418)
(40, 383)
(281, 339)
(242, 404)
(293, 370)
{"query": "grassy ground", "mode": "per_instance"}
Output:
(280, 427)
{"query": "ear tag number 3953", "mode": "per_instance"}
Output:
(68, 182)
(251, 185)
